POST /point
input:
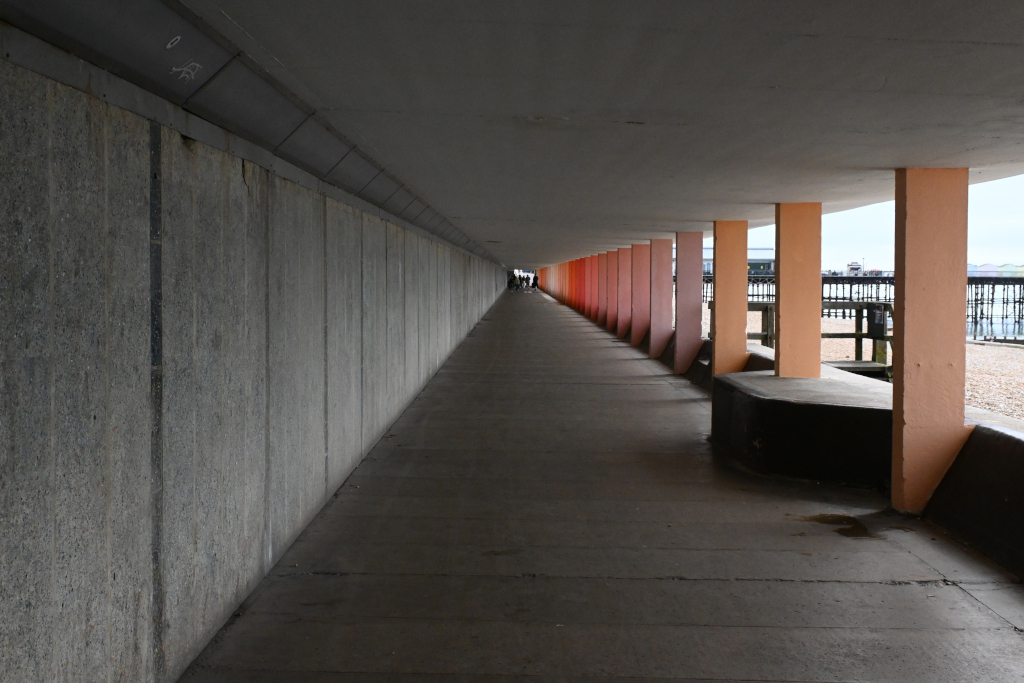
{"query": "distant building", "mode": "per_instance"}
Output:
(854, 268)
(760, 260)
(992, 270)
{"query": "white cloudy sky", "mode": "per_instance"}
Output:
(995, 225)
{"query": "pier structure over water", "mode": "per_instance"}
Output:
(995, 305)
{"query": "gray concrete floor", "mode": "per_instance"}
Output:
(548, 509)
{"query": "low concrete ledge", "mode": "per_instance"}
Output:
(981, 498)
(832, 429)
(838, 429)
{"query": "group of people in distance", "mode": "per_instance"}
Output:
(522, 281)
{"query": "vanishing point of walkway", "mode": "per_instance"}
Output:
(548, 509)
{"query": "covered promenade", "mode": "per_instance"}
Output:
(549, 509)
(269, 413)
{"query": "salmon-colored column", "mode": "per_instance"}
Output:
(689, 286)
(581, 283)
(729, 318)
(590, 287)
(572, 284)
(929, 341)
(611, 323)
(661, 296)
(625, 292)
(594, 288)
(602, 289)
(798, 290)
(585, 274)
(641, 314)
(568, 283)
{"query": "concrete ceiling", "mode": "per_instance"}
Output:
(548, 130)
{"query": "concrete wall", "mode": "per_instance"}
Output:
(156, 461)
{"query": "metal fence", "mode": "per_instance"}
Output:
(995, 305)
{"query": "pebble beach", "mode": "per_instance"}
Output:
(995, 374)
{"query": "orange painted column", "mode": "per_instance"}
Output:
(569, 284)
(602, 289)
(689, 286)
(563, 281)
(798, 290)
(929, 337)
(573, 283)
(576, 284)
(625, 292)
(661, 296)
(580, 284)
(641, 314)
(585, 288)
(729, 317)
(590, 287)
(612, 320)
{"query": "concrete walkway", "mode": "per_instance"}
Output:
(548, 510)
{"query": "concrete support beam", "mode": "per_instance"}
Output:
(798, 290)
(928, 331)
(641, 294)
(689, 283)
(611, 323)
(602, 289)
(729, 317)
(661, 296)
(625, 292)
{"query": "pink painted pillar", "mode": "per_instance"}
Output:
(625, 291)
(641, 302)
(689, 286)
(661, 296)
(593, 288)
(602, 289)
(613, 291)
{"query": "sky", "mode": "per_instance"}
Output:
(995, 230)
